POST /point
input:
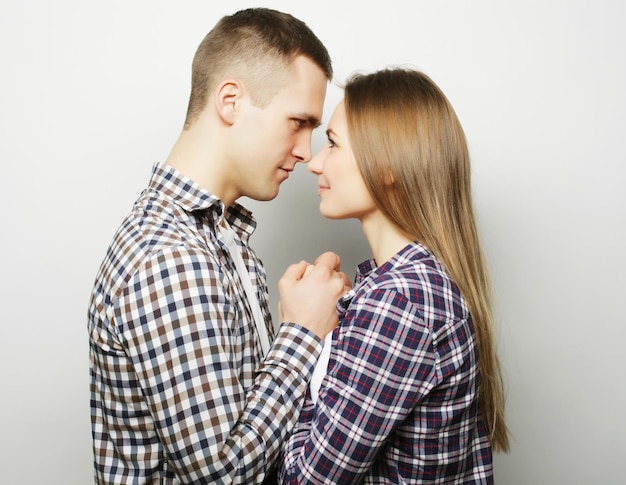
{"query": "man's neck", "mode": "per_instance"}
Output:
(196, 157)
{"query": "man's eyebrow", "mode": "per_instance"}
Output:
(310, 119)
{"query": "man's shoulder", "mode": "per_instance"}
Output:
(157, 221)
(156, 225)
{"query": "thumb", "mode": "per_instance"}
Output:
(329, 259)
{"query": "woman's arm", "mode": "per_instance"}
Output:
(382, 363)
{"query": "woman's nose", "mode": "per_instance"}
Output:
(317, 163)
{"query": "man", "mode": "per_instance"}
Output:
(185, 387)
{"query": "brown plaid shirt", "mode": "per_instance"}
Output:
(180, 392)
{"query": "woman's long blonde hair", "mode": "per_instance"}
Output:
(412, 152)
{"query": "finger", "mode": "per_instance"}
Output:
(280, 312)
(343, 284)
(328, 259)
(295, 271)
(309, 268)
(346, 281)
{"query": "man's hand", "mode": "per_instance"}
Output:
(309, 293)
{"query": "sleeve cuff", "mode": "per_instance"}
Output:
(295, 347)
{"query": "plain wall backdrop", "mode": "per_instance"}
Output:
(93, 93)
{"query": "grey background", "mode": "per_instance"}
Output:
(92, 94)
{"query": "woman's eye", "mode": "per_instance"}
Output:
(331, 143)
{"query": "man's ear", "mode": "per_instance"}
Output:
(227, 100)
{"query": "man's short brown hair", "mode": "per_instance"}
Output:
(255, 45)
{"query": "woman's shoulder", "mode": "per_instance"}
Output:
(421, 279)
(414, 265)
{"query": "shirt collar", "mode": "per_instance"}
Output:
(408, 254)
(367, 271)
(187, 194)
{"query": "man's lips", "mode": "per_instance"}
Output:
(286, 171)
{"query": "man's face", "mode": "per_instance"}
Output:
(269, 141)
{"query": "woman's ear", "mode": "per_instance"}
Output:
(227, 98)
(389, 179)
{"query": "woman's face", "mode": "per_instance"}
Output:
(341, 187)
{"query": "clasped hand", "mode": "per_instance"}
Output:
(309, 293)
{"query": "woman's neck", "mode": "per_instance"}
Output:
(384, 237)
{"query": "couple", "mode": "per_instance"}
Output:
(189, 384)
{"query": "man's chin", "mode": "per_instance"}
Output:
(266, 197)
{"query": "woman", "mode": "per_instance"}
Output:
(412, 392)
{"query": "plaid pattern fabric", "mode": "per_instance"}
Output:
(398, 403)
(180, 392)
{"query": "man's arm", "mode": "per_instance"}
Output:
(176, 325)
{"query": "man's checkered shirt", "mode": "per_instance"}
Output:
(180, 392)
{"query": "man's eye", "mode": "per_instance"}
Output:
(299, 123)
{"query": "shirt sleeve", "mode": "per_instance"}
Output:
(176, 325)
(382, 363)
